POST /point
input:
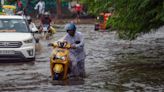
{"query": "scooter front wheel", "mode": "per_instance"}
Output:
(56, 76)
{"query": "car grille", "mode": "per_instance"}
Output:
(10, 44)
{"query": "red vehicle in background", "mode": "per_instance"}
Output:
(102, 21)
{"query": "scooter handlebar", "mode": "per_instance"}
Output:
(58, 44)
(50, 44)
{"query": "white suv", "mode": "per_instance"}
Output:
(16, 39)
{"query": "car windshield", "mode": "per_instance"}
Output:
(13, 25)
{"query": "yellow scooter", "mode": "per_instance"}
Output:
(59, 60)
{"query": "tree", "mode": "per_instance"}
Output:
(59, 11)
(135, 17)
(97, 6)
(131, 17)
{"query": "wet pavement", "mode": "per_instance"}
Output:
(112, 65)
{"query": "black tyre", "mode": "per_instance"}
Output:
(56, 76)
(96, 27)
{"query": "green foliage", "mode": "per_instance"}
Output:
(10, 2)
(130, 17)
(97, 6)
(135, 17)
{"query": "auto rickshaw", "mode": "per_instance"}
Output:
(102, 21)
(8, 10)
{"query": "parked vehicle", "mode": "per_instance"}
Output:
(16, 39)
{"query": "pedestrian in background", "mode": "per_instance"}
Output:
(19, 6)
(40, 8)
(78, 9)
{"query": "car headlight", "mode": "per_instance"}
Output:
(28, 41)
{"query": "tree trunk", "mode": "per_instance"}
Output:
(59, 11)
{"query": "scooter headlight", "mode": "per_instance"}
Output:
(63, 58)
(59, 57)
(98, 18)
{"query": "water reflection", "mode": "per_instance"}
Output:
(138, 72)
(69, 82)
(15, 63)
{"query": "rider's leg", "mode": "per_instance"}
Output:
(81, 68)
(73, 67)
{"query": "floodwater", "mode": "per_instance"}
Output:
(112, 65)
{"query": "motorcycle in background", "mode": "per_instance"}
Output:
(45, 30)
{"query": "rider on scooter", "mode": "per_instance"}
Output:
(77, 53)
(46, 20)
(45, 25)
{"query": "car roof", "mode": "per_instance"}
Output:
(11, 17)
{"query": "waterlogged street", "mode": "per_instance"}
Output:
(112, 65)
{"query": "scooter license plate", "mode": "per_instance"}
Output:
(45, 28)
(6, 52)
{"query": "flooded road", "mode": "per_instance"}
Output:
(112, 65)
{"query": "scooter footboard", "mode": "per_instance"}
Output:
(58, 68)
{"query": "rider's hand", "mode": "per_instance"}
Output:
(73, 46)
(50, 44)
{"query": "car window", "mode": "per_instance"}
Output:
(13, 25)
